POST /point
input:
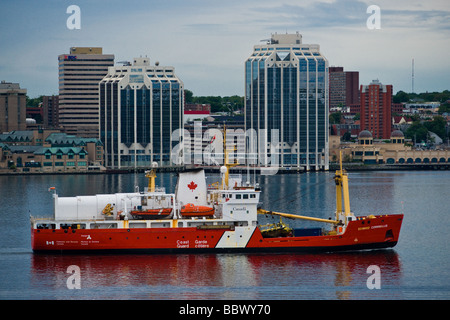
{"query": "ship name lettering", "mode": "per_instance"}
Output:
(182, 243)
(382, 226)
(201, 244)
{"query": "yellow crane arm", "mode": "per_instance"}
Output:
(295, 216)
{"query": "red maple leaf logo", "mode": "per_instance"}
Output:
(192, 186)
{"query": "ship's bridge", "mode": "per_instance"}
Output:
(238, 204)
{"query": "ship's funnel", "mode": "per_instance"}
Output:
(191, 187)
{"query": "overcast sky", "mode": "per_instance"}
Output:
(207, 41)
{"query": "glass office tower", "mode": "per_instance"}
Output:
(140, 107)
(286, 101)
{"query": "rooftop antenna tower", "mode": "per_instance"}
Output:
(412, 78)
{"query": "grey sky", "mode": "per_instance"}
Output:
(208, 41)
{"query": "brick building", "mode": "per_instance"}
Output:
(376, 109)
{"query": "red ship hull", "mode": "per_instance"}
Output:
(376, 232)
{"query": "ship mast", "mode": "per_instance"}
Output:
(342, 193)
(342, 202)
(227, 165)
(151, 175)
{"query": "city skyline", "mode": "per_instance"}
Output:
(208, 41)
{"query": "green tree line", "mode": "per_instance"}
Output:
(33, 102)
(402, 96)
(218, 103)
(420, 130)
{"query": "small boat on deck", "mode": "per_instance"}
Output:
(151, 214)
(191, 210)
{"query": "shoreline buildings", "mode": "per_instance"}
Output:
(286, 94)
(13, 102)
(80, 72)
(48, 151)
(395, 150)
(140, 107)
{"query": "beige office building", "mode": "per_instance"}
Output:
(13, 103)
(80, 72)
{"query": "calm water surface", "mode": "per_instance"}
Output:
(417, 268)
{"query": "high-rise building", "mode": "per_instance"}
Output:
(286, 90)
(140, 107)
(376, 104)
(351, 88)
(13, 101)
(80, 72)
(337, 87)
(50, 104)
(344, 87)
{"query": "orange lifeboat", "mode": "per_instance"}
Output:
(191, 210)
(151, 214)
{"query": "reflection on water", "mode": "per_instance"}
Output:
(217, 276)
(417, 268)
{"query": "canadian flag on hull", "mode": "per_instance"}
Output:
(191, 187)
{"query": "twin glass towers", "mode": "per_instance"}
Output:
(286, 108)
(140, 106)
(286, 102)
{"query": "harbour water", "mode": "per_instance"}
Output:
(417, 268)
